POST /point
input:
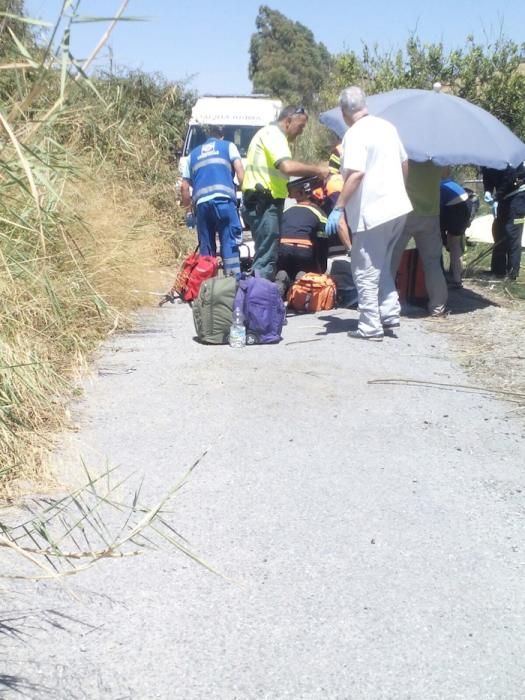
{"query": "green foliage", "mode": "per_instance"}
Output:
(285, 59)
(146, 114)
(488, 75)
(14, 34)
(87, 204)
(153, 108)
(9, 11)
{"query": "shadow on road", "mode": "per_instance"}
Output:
(464, 301)
(335, 324)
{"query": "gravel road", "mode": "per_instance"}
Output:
(369, 536)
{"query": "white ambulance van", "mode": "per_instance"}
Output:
(239, 115)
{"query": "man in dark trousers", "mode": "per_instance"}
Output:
(509, 186)
(210, 170)
(269, 164)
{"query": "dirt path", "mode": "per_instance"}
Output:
(370, 535)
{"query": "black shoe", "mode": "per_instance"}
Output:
(389, 329)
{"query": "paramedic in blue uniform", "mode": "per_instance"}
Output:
(210, 170)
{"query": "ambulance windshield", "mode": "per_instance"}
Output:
(239, 135)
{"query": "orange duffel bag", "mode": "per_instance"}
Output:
(312, 292)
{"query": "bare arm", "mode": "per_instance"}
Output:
(344, 233)
(239, 170)
(185, 196)
(295, 167)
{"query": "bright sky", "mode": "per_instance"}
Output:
(207, 41)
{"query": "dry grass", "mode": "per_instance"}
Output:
(125, 241)
(486, 334)
(87, 215)
(114, 242)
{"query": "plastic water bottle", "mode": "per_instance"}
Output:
(237, 337)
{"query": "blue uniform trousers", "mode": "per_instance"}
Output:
(220, 216)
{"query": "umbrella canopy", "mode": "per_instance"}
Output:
(443, 128)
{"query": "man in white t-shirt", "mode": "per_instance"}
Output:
(374, 198)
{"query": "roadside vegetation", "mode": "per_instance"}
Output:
(490, 73)
(87, 210)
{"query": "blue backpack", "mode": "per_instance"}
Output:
(263, 309)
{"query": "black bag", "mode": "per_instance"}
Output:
(246, 257)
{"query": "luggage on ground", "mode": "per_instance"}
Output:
(213, 310)
(410, 279)
(195, 269)
(312, 292)
(264, 313)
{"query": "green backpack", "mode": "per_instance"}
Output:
(213, 309)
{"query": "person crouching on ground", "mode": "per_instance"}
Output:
(210, 169)
(303, 246)
(374, 198)
(269, 164)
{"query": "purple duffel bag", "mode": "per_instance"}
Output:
(263, 309)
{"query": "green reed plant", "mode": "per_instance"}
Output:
(86, 207)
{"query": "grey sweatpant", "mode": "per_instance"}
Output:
(371, 269)
(426, 232)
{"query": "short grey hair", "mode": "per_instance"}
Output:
(352, 99)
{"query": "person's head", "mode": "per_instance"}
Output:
(215, 131)
(297, 192)
(352, 101)
(292, 121)
(303, 189)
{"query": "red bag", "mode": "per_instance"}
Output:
(410, 279)
(195, 269)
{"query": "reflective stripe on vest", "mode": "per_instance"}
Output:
(212, 161)
(334, 161)
(211, 189)
(320, 215)
(211, 170)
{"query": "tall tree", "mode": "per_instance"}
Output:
(285, 59)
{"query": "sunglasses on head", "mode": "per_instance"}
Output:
(299, 110)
